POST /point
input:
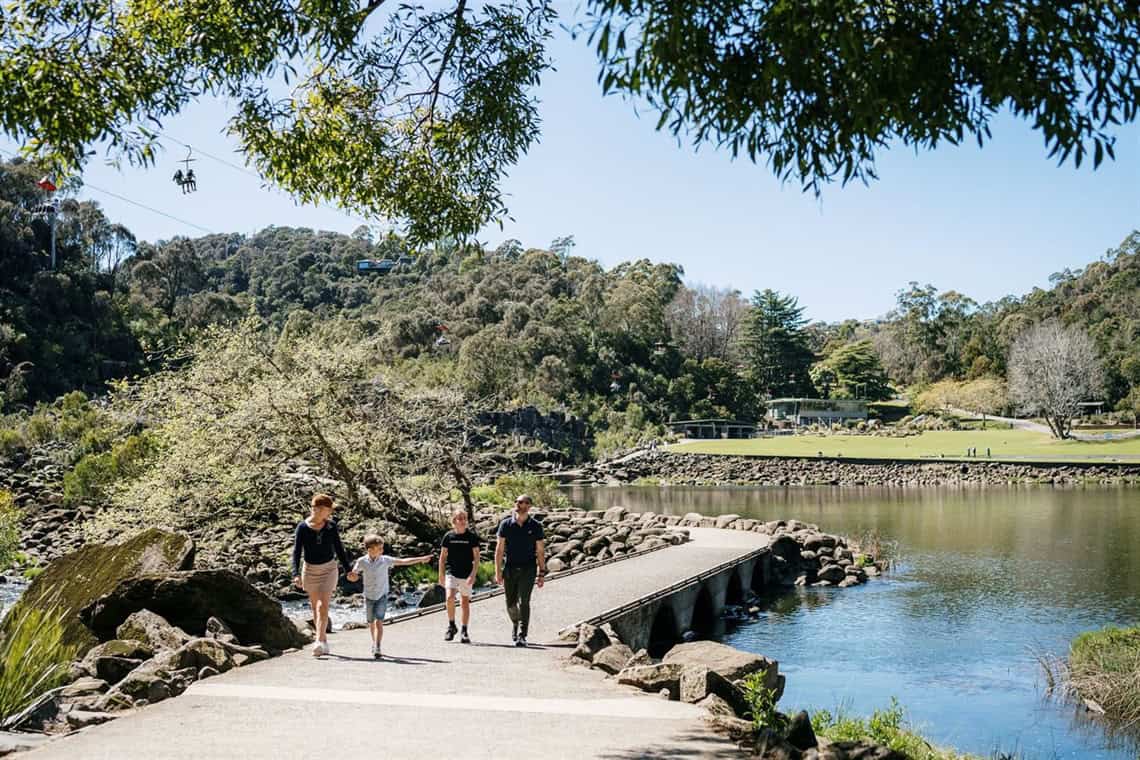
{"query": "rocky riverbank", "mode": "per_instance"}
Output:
(673, 468)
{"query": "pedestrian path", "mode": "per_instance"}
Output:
(434, 699)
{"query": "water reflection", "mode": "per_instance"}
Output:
(986, 577)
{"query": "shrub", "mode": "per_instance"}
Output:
(762, 704)
(95, 472)
(11, 442)
(33, 659)
(9, 529)
(885, 727)
(543, 490)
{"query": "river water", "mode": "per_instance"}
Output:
(985, 578)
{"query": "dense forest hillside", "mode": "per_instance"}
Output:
(626, 348)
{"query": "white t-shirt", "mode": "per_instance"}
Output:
(375, 574)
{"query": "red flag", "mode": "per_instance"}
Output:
(47, 184)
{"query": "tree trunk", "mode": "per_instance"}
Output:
(395, 508)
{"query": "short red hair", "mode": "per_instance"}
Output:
(322, 500)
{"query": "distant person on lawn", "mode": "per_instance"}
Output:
(318, 540)
(373, 566)
(458, 566)
(521, 545)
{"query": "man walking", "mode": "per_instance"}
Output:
(521, 544)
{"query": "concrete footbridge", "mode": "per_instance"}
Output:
(434, 699)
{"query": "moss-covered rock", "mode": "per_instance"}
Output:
(189, 599)
(74, 581)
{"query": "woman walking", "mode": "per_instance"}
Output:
(318, 539)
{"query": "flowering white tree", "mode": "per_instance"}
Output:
(1052, 368)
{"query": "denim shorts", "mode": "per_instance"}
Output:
(374, 609)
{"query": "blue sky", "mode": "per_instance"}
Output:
(984, 222)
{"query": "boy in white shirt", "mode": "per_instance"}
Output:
(374, 566)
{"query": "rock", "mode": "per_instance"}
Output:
(188, 599)
(615, 514)
(74, 581)
(113, 669)
(800, 733)
(153, 630)
(113, 701)
(849, 581)
(197, 654)
(555, 565)
(148, 681)
(83, 686)
(698, 681)
(206, 672)
(831, 573)
(613, 658)
(84, 718)
(723, 521)
(216, 628)
(640, 658)
(730, 663)
(860, 750)
(591, 640)
(432, 596)
(595, 545)
(665, 676)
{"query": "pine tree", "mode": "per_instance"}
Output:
(775, 347)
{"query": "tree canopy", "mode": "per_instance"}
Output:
(415, 114)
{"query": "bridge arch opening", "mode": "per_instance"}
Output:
(663, 632)
(734, 594)
(704, 614)
(759, 582)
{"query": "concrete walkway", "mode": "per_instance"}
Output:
(433, 699)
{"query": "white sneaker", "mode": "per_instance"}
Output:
(318, 649)
(325, 647)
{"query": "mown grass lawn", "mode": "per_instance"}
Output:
(1004, 444)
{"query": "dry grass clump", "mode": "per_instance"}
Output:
(870, 548)
(1104, 668)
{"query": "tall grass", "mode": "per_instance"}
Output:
(33, 658)
(869, 547)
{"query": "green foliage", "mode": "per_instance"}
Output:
(417, 574)
(33, 658)
(721, 73)
(885, 727)
(94, 473)
(762, 703)
(404, 112)
(775, 345)
(9, 529)
(543, 491)
(10, 442)
(852, 371)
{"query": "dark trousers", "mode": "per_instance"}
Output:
(519, 583)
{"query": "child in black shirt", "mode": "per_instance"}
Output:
(458, 566)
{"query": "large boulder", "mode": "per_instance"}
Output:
(112, 660)
(73, 582)
(198, 654)
(189, 599)
(613, 658)
(730, 663)
(153, 630)
(663, 675)
(698, 682)
(591, 640)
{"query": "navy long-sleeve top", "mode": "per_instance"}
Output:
(318, 546)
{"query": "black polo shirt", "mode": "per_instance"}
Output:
(521, 539)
